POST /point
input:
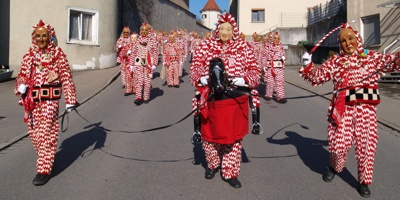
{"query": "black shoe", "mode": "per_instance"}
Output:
(164, 84)
(234, 182)
(40, 179)
(363, 190)
(210, 173)
(329, 175)
(138, 101)
(146, 101)
(176, 86)
(283, 100)
(256, 129)
(267, 98)
(169, 85)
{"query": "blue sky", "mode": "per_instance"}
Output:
(196, 5)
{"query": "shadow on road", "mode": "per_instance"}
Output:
(75, 146)
(313, 154)
(156, 92)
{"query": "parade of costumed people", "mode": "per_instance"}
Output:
(123, 48)
(172, 56)
(43, 76)
(143, 60)
(352, 112)
(274, 75)
(224, 52)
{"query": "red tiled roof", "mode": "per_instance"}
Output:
(211, 5)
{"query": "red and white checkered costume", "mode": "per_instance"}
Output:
(194, 44)
(159, 38)
(144, 48)
(182, 41)
(172, 57)
(239, 61)
(123, 48)
(275, 71)
(353, 120)
(40, 68)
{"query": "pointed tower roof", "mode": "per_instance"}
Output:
(211, 5)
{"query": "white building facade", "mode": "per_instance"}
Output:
(262, 16)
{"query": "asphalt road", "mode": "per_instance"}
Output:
(115, 158)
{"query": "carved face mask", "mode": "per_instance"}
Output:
(144, 31)
(225, 32)
(171, 38)
(348, 41)
(276, 39)
(41, 37)
(126, 32)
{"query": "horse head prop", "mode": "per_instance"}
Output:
(218, 78)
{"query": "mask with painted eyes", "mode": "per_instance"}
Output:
(41, 37)
(348, 41)
(225, 31)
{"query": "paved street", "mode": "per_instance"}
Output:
(113, 158)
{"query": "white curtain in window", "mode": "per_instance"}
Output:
(254, 16)
(73, 26)
(87, 27)
(261, 16)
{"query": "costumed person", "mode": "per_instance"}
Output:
(123, 49)
(275, 72)
(263, 55)
(159, 38)
(194, 44)
(130, 68)
(144, 60)
(255, 97)
(253, 37)
(352, 113)
(44, 74)
(172, 56)
(257, 45)
(182, 41)
(224, 123)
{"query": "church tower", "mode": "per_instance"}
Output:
(209, 14)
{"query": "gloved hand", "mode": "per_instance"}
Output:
(306, 58)
(239, 81)
(153, 67)
(119, 46)
(151, 76)
(204, 80)
(132, 67)
(129, 52)
(22, 88)
(69, 107)
(164, 63)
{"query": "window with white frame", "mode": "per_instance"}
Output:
(257, 15)
(83, 26)
(371, 31)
